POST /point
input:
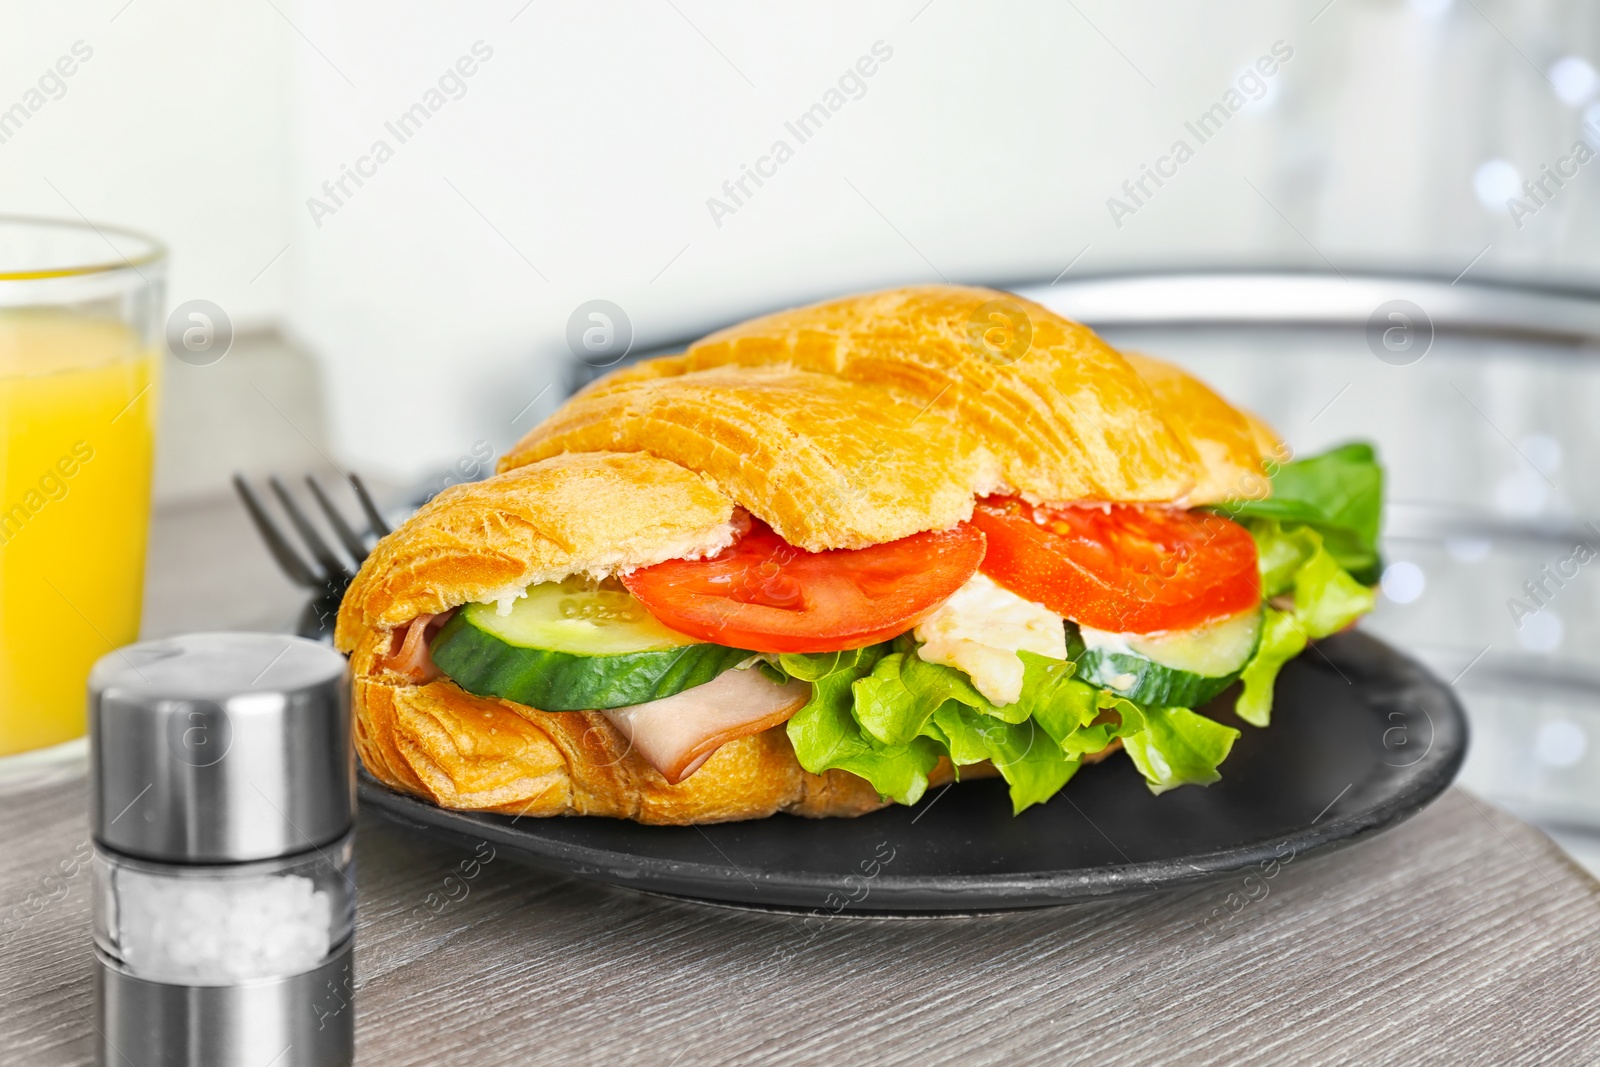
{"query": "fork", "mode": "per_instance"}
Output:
(320, 568)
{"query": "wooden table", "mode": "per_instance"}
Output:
(1462, 937)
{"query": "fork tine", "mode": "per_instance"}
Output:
(347, 537)
(332, 567)
(287, 558)
(379, 527)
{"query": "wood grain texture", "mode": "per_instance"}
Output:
(1462, 937)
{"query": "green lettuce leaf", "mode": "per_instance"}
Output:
(1326, 600)
(1060, 703)
(1178, 747)
(812, 666)
(903, 691)
(1128, 720)
(905, 697)
(1317, 538)
(1281, 553)
(887, 715)
(826, 735)
(1338, 494)
(889, 710)
(1080, 717)
(964, 746)
(1282, 639)
(1028, 758)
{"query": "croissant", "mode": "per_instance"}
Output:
(840, 426)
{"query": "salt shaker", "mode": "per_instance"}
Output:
(222, 807)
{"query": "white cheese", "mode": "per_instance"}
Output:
(981, 629)
(1104, 641)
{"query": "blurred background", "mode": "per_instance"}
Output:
(400, 210)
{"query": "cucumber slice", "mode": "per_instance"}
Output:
(1221, 648)
(574, 646)
(1182, 669)
(580, 616)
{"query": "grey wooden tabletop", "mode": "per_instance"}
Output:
(1463, 936)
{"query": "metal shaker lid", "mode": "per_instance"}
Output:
(220, 747)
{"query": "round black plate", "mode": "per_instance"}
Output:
(1361, 738)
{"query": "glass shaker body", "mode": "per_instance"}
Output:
(220, 924)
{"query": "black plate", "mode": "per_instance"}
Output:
(1362, 737)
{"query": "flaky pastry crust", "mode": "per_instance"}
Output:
(845, 424)
(871, 418)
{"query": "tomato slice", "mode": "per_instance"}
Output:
(764, 594)
(1126, 568)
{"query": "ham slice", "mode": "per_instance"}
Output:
(411, 657)
(676, 734)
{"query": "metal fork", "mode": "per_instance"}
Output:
(321, 569)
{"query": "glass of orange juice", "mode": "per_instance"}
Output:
(80, 315)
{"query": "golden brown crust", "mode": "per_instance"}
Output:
(1231, 442)
(875, 417)
(594, 512)
(787, 444)
(844, 424)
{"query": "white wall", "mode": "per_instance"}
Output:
(175, 126)
(579, 162)
(984, 147)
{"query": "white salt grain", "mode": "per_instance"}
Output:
(215, 931)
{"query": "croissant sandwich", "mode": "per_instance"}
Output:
(825, 559)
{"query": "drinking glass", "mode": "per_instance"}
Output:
(80, 314)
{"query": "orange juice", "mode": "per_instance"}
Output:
(77, 408)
